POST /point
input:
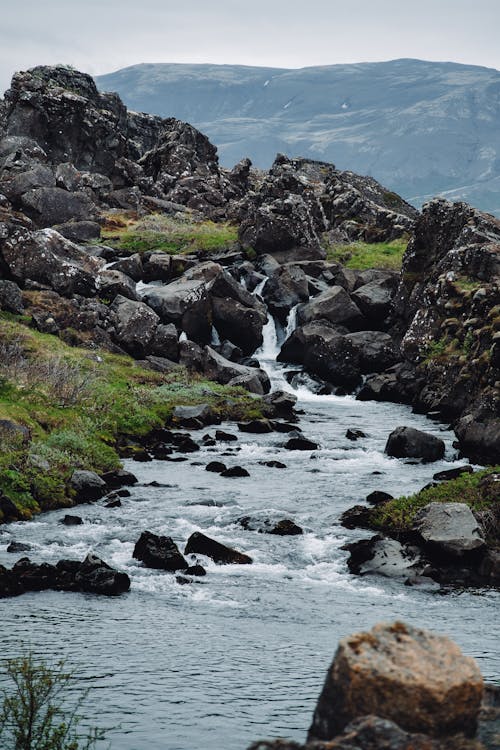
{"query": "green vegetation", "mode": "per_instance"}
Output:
(41, 710)
(160, 233)
(363, 255)
(396, 516)
(80, 406)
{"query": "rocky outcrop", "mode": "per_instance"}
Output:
(418, 680)
(91, 576)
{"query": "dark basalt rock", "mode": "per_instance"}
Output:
(114, 504)
(225, 437)
(407, 442)
(286, 527)
(69, 520)
(273, 464)
(194, 417)
(448, 474)
(91, 576)
(16, 547)
(353, 434)
(282, 403)
(357, 517)
(235, 472)
(119, 478)
(378, 497)
(300, 444)
(200, 544)
(11, 299)
(216, 466)
(159, 552)
(256, 426)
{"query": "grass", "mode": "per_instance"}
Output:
(79, 405)
(396, 516)
(160, 233)
(364, 255)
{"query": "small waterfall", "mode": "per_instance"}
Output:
(215, 339)
(270, 347)
(291, 323)
(183, 336)
(260, 287)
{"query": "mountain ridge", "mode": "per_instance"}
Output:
(422, 128)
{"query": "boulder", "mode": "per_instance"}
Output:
(418, 680)
(449, 474)
(334, 305)
(69, 520)
(14, 184)
(284, 290)
(256, 426)
(185, 303)
(217, 368)
(448, 530)
(281, 402)
(165, 342)
(194, 417)
(96, 577)
(114, 283)
(380, 556)
(200, 544)
(234, 472)
(86, 486)
(479, 440)
(407, 442)
(159, 552)
(300, 444)
(52, 205)
(357, 517)
(241, 325)
(131, 266)
(374, 299)
(135, 327)
(119, 478)
(216, 466)
(79, 231)
(11, 299)
(48, 258)
(376, 350)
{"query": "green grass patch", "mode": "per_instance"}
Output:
(364, 255)
(396, 516)
(79, 405)
(160, 233)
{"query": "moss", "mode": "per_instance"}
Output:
(78, 405)
(174, 236)
(396, 516)
(363, 255)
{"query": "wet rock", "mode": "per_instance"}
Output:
(241, 325)
(216, 466)
(300, 444)
(200, 544)
(159, 552)
(69, 520)
(354, 435)
(273, 464)
(448, 529)
(16, 547)
(282, 402)
(412, 677)
(235, 472)
(406, 442)
(114, 504)
(222, 371)
(225, 437)
(380, 556)
(376, 350)
(256, 426)
(96, 577)
(119, 478)
(284, 426)
(86, 486)
(196, 570)
(286, 527)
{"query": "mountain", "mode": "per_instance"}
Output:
(421, 128)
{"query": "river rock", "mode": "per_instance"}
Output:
(216, 466)
(448, 474)
(419, 680)
(69, 520)
(380, 556)
(235, 472)
(16, 547)
(86, 486)
(119, 478)
(376, 350)
(97, 577)
(353, 434)
(282, 403)
(407, 442)
(159, 552)
(241, 325)
(256, 426)
(300, 444)
(357, 517)
(217, 368)
(448, 529)
(200, 544)
(378, 497)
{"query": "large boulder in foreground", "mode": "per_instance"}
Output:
(407, 442)
(418, 680)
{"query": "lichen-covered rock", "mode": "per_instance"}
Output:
(418, 680)
(135, 327)
(449, 529)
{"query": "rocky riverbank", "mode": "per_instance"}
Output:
(137, 277)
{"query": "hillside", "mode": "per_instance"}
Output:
(422, 128)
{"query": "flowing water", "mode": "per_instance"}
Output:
(241, 654)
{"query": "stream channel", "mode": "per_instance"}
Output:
(242, 653)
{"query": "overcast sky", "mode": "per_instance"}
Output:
(99, 36)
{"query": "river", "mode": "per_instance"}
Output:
(241, 654)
